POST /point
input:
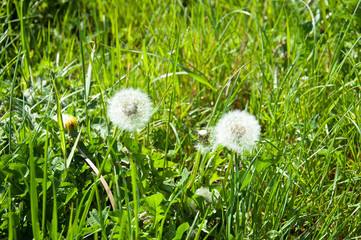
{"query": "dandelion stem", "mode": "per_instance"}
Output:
(96, 171)
(230, 165)
(133, 167)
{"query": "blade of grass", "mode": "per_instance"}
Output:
(60, 121)
(54, 222)
(197, 77)
(87, 207)
(173, 199)
(24, 40)
(133, 167)
(11, 101)
(82, 56)
(12, 229)
(192, 227)
(33, 193)
(45, 180)
(76, 229)
(71, 154)
(128, 208)
(201, 225)
(100, 212)
(314, 50)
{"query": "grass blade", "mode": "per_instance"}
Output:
(54, 222)
(33, 193)
(45, 180)
(12, 229)
(60, 121)
(71, 154)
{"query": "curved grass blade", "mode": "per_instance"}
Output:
(190, 73)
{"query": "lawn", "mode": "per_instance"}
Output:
(180, 119)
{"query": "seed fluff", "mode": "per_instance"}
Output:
(238, 131)
(130, 109)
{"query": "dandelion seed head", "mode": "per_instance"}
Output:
(202, 132)
(204, 143)
(205, 193)
(238, 131)
(130, 109)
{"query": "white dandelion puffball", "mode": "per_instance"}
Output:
(237, 130)
(130, 109)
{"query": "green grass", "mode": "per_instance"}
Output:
(295, 65)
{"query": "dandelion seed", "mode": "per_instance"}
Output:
(204, 142)
(238, 131)
(130, 109)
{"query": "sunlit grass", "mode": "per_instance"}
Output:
(294, 65)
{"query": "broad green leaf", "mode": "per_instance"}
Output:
(246, 180)
(261, 165)
(264, 163)
(181, 230)
(154, 200)
(160, 164)
(132, 145)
